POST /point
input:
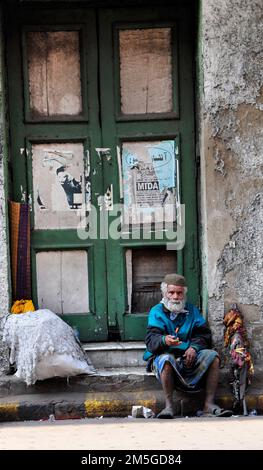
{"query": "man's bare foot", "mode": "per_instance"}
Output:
(166, 413)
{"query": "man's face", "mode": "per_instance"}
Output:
(175, 293)
(175, 298)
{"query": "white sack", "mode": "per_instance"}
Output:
(43, 346)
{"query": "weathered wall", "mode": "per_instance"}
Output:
(4, 275)
(4, 295)
(232, 162)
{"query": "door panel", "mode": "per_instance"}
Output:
(59, 184)
(144, 119)
(145, 268)
(55, 129)
(102, 133)
(145, 61)
(62, 280)
(52, 64)
(149, 181)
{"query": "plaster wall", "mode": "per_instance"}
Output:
(4, 291)
(4, 267)
(232, 162)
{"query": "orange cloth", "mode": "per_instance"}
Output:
(22, 306)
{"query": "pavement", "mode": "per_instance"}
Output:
(238, 433)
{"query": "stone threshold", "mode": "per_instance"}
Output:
(113, 346)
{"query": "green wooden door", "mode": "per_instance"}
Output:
(102, 133)
(148, 124)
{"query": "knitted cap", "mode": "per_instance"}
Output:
(175, 280)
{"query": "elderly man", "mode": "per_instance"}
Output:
(179, 344)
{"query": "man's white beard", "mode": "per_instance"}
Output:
(173, 306)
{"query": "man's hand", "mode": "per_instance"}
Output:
(172, 340)
(189, 357)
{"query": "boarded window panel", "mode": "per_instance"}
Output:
(146, 71)
(54, 73)
(62, 281)
(145, 273)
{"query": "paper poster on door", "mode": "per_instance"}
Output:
(149, 180)
(59, 184)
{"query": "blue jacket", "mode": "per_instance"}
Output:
(192, 331)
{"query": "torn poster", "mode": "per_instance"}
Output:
(150, 181)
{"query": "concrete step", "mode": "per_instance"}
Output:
(116, 382)
(121, 381)
(111, 392)
(105, 380)
(74, 405)
(115, 354)
(119, 366)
